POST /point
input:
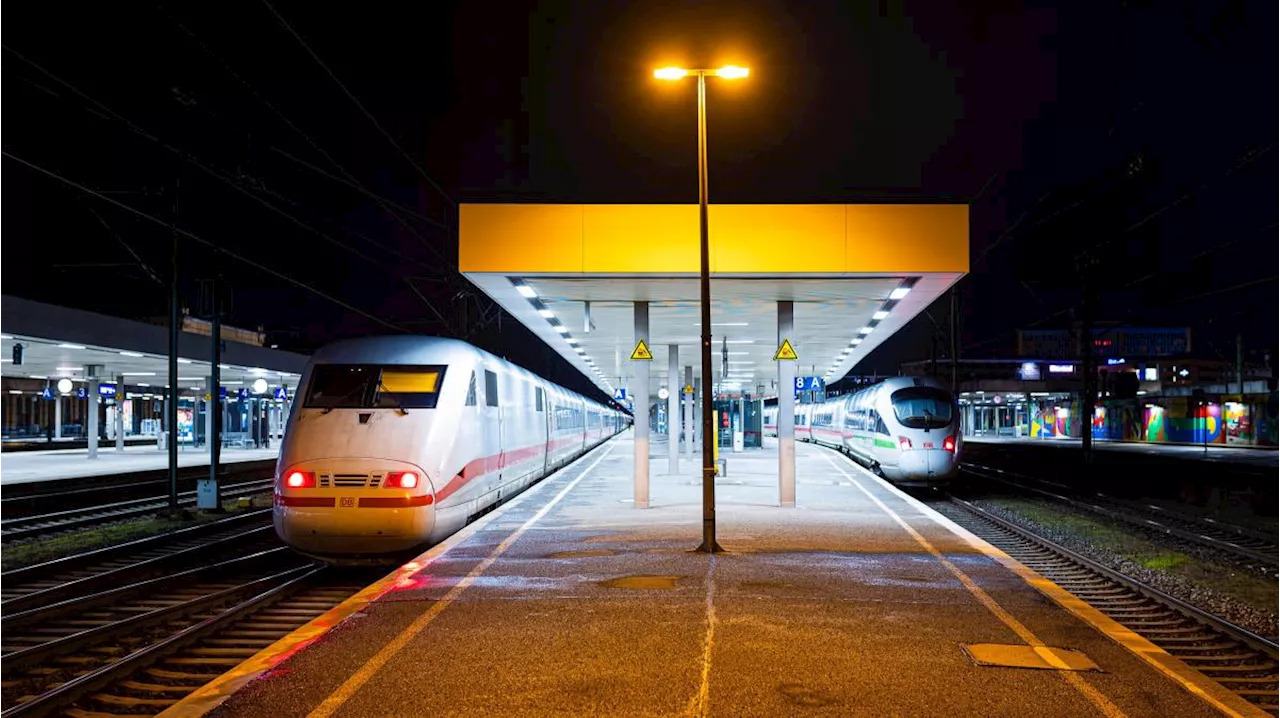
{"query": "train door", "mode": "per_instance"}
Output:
(542, 403)
(492, 439)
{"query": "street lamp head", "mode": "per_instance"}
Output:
(670, 73)
(732, 72)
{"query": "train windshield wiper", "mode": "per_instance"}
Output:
(928, 419)
(342, 399)
(382, 389)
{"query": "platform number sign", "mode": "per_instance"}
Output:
(810, 383)
(619, 394)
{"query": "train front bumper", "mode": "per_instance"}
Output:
(923, 467)
(333, 520)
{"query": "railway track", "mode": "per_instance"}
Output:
(132, 629)
(31, 587)
(1238, 542)
(79, 518)
(1240, 660)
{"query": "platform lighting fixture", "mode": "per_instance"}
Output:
(142, 383)
(865, 330)
(546, 313)
(580, 350)
(856, 341)
(183, 361)
(5, 336)
(64, 386)
(562, 329)
(37, 376)
(899, 292)
(137, 373)
(70, 368)
(527, 291)
(879, 315)
(709, 433)
(571, 340)
(15, 391)
(131, 354)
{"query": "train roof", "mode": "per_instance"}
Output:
(418, 349)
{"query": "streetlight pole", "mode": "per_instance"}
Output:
(709, 433)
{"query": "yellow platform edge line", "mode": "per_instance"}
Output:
(214, 693)
(1189, 678)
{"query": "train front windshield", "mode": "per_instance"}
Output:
(922, 407)
(368, 386)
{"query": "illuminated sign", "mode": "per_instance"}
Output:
(1113, 362)
(1062, 368)
(107, 390)
(1029, 371)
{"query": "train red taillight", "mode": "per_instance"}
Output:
(300, 480)
(904, 443)
(401, 480)
(949, 444)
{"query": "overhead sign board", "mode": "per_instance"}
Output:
(107, 390)
(281, 393)
(641, 352)
(619, 394)
(810, 383)
(1062, 368)
(786, 351)
(688, 388)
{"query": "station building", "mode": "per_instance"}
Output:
(1150, 389)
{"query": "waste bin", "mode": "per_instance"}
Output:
(162, 441)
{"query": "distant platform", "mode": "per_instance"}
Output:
(1244, 455)
(28, 466)
(569, 601)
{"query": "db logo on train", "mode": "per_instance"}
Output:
(347, 502)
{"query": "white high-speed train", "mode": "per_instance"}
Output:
(397, 442)
(907, 429)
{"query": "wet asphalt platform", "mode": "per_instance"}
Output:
(569, 602)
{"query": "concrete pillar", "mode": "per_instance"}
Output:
(121, 398)
(673, 409)
(57, 414)
(786, 411)
(91, 406)
(640, 390)
(688, 412)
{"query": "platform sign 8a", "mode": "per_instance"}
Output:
(810, 383)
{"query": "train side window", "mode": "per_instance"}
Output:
(471, 390)
(490, 388)
(538, 398)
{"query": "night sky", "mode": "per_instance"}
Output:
(1140, 135)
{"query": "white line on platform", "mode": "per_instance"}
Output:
(374, 664)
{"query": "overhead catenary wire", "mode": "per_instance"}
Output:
(196, 238)
(356, 101)
(186, 156)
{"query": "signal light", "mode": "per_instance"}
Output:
(949, 444)
(300, 480)
(904, 443)
(401, 480)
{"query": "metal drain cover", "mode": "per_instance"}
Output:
(1019, 656)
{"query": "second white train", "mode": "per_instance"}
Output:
(907, 429)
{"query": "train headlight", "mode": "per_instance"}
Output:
(401, 480)
(300, 480)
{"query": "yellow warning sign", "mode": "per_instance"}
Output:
(641, 352)
(688, 388)
(207, 396)
(786, 351)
